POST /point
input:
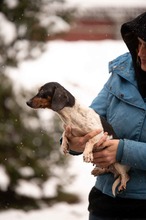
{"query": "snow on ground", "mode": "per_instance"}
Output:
(82, 67)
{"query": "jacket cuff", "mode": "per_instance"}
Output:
(120, 150)
(74, 153)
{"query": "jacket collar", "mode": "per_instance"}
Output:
(123, 66)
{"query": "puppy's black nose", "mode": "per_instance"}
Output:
(28, 103)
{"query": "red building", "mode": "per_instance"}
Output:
(99, 23)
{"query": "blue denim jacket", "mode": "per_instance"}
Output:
(123, 107)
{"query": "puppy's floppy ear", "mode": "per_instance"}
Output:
(59, 99)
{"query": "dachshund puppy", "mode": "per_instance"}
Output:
(83, 120)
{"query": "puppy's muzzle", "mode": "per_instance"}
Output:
(29, 103)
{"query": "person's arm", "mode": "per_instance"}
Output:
(100, 103)
(107, 154)
(132, 153)
(77, 144)
(126, 152)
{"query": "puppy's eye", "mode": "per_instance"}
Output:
(42, 94)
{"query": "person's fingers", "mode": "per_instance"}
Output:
(68, 132)
(87, 137)
(91, 134)
(102, 140)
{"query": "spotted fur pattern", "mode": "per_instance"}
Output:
(83, 120)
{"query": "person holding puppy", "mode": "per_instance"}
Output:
(122, 102)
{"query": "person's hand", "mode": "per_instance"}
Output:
(78, 143)
(107, 153)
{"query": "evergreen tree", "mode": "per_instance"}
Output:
(29, 26)
(28, 153)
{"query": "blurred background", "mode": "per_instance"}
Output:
(68, 41)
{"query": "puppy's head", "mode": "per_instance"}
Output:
(53, 96)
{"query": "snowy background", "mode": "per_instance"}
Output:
(81, 67)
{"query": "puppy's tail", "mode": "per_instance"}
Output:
(115, 184)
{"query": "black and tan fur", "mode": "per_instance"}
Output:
(84, 119)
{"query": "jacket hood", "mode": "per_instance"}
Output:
(135, 27)
(130, 32)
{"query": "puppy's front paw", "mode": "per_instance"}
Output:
(88, 156)
(65, 150)
(65, 147)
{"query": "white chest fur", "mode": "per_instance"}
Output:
(85, 119)
(81, 117)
